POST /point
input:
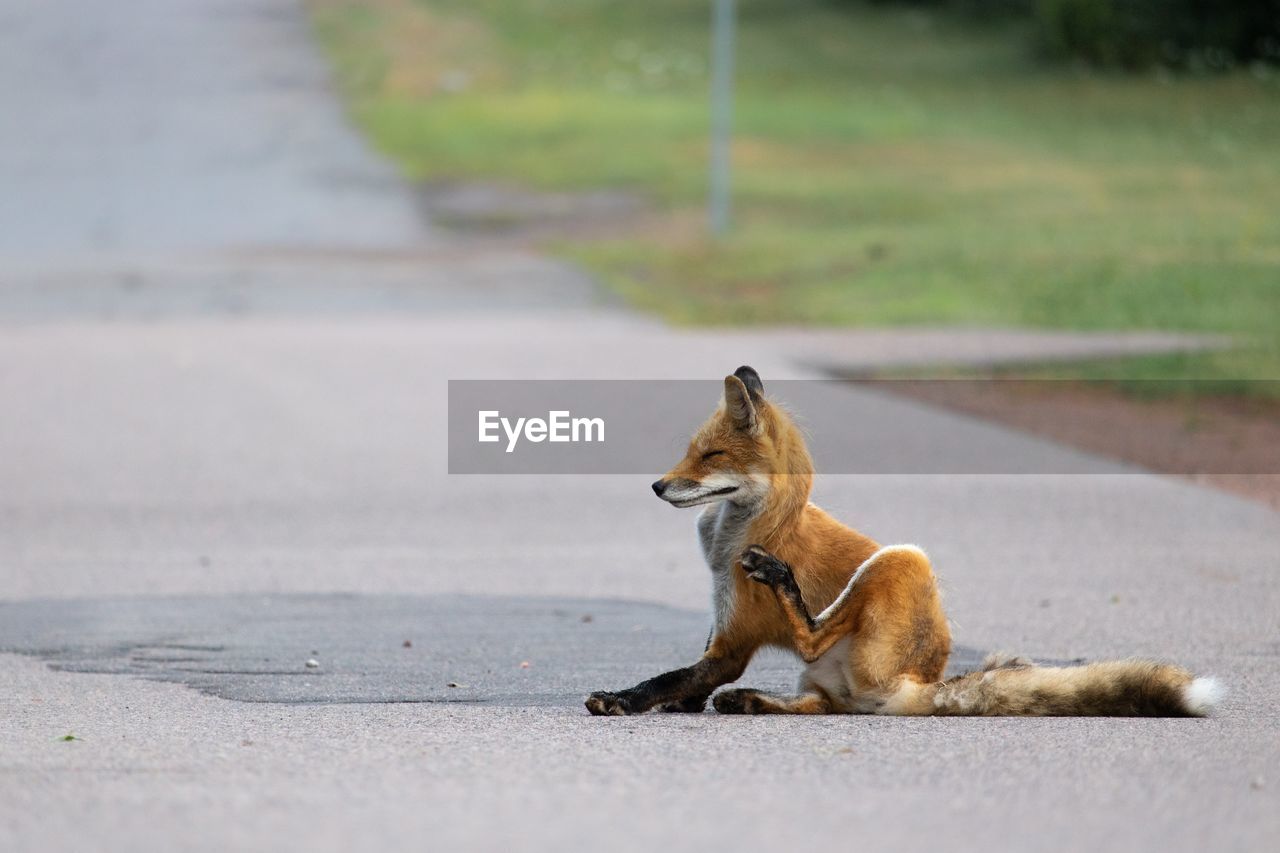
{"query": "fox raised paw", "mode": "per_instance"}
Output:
(763, 567)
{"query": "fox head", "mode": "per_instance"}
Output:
(741, 451)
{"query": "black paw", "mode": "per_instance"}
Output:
(605, 704)
(692, 705)
(736, 701)
(763, 567)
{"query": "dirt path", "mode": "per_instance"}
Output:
(1226, 443)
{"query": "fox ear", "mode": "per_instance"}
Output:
(739, 405)
(751, 379)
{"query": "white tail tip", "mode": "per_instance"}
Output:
(1202, 695)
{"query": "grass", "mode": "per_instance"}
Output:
(891, 166)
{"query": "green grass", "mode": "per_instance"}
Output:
(891, 166)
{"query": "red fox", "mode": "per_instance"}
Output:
(867, 620)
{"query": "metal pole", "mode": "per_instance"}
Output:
(722, 20)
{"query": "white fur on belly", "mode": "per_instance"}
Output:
(828, 673)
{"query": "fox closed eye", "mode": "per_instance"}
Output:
(711, 453)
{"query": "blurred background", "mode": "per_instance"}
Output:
(1097, 165)
(1079, 164)
(245, 243)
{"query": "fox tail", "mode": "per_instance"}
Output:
(1015, 687)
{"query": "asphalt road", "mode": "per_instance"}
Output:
(504, 651)
(158, 127)
(225, 442)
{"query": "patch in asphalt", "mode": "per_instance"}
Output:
(377, 648)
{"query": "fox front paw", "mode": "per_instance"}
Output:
(605, 704)
(763, 567)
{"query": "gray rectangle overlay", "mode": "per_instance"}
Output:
(851, 427)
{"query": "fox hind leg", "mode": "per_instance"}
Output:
(747, 701)
(811, 637)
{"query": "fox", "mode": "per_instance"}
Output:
(867, 620)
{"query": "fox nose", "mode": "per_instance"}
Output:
(659, 486)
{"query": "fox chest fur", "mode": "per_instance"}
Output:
(722, 532)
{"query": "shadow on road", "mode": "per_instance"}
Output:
(494, 650)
